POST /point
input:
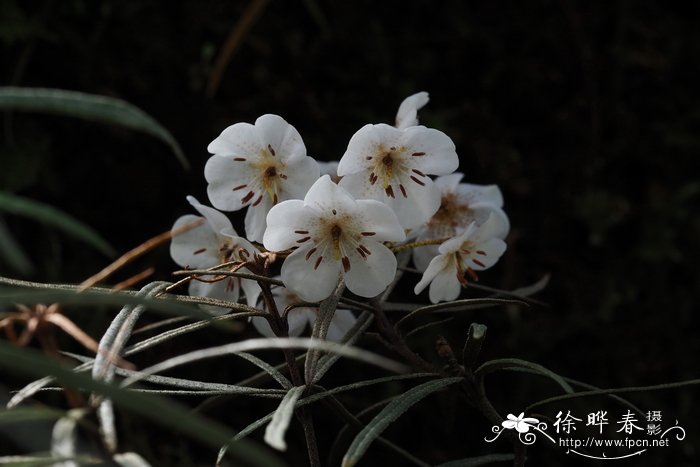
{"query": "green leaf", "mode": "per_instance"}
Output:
(328, 360)
(391, 412)
(64, 436)
(472, 346)
(88, 107)
(277, 428)
(264, 344)
(326, 311)
(196, 385)
(160, 410)
(12, 252)
(508, 363)
(320, 396)
(130, 459)
(52, 217)
(29, 414)
(44, 460)
(460, 305)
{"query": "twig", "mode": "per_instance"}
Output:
(233, 42)
(140, 250)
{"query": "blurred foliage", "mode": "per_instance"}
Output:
(585, 113)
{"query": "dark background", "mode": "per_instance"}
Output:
(585, 113)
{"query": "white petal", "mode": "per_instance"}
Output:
(226, 289)
(418, 206)
(368, 277)
(301, 174)
(282, 137)
(309, 283)
(342, 322)
(436, 265)
(367, 141)
(493, 250)
(324, 195)
(412, 212)
(283, 219)
(234, 240)
(480, 193)
(481, 213)
(508, 424)
(217, 220)
(408, 110)
(197, 248)
(375, 216)
(237, 140)
(358, 186)
(299, 319)
(455, 243)
(440, 153)
(262, 326)
(252, 291)
(493, 227)
(449, 183)
(445, 286)
(223, 174)
(255, 220)
(423, 255)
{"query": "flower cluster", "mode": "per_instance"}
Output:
(394, 188)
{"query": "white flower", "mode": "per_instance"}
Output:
(299, 317)
(257, 166)
(408, 110)
(212, 243)
(335, 235)
(461, 204)
(520, 423)
(476, 249)
(392, 165)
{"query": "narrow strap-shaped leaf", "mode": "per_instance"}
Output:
(163, 411)
(110, 347)
(29, 414)
(268, 343)
(130, 459)
(192, 384)
(353, 423)
(391, 412)
(115, 337)
(63, 437)
(182, 330)
(326, 311)
(327, 361)
(88, 107)
(277, 428)
(41, 212)
(267, 368)
(506, 363)
(459, 305)
(317, 397)
(167, 305)
(12, 252)
(45, 460)
(472, 346)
